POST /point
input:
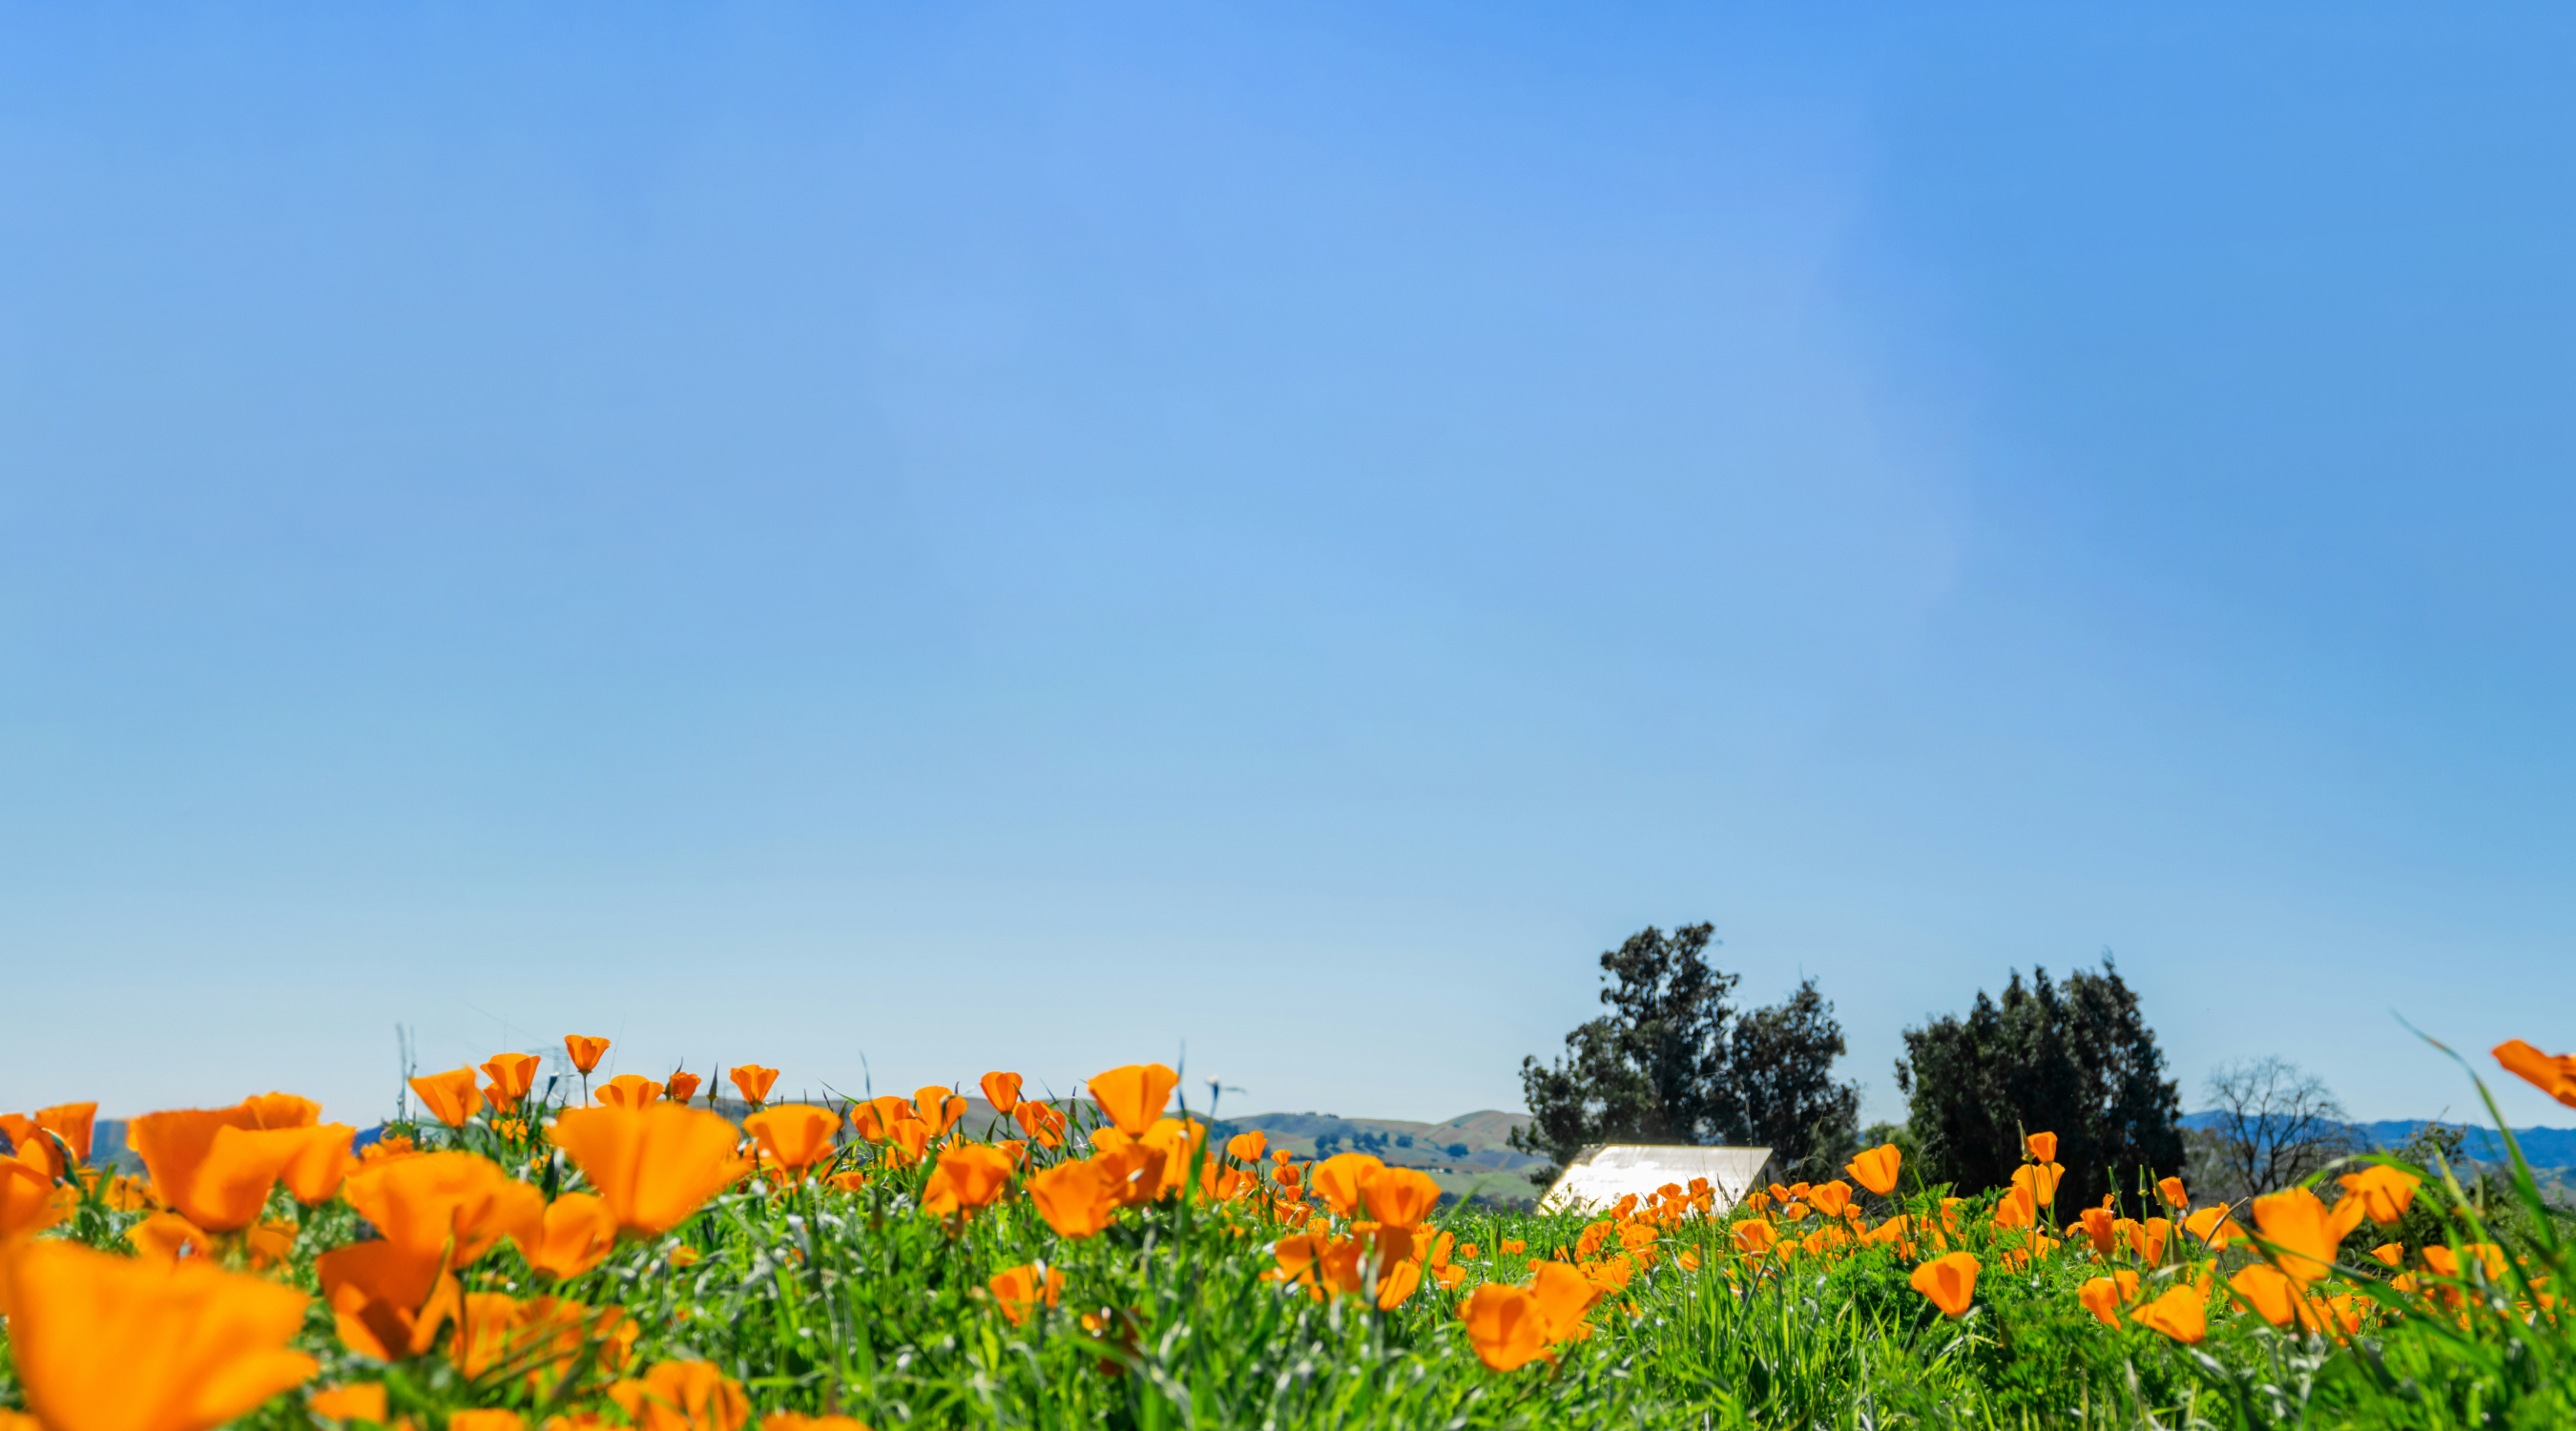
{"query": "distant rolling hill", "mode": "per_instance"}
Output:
(2541, 1147)
(1466, 1155)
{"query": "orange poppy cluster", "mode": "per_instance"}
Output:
(185, 1333)
(193, 1320)
(2290, 1277)
(1512, 1325)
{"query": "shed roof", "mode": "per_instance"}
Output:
(1623, 1168)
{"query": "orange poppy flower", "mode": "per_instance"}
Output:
(385, 1150)
(107, 1343)
(2095, 1223)
(2213, 1226)
(1002, 1090)
(2105, 1296)
(2385, 1192)
(1074, 1198)
(2146, 1239)
(1563, 1295)
(578, 1233)
(1316, 1260)
(1399, 1197)
(1043, 1125)
(1876, 1168)
(629, 1090)
(938, 1109)
(210, 1166)
(754, 1082)
(2555, 1076)
(1504, 1326)
(2171, 1190)
(1337, 1180)
(585, 1050)
(1949, 1283)
(1833, 1199)
(541, 1338)
(2272, 1294)
(1019, 1291)
(446, 1207)
(282, 1110)
(2039, 1179)
(562, 1331)
(165, 1237)
(386, 1302)
(2178, 1314)
(874, 1120)
(2016, 1210)
(322, 1158)
(682, 1087)
(72, 1123)
(1247, 1147)
(2304, 1232)
(794, 1137)
(486, 1418)
(358, 1401)
(451, 1097)
(2445, 1262)
(683, 1396)
(1397, 1283)
(2041, 1148)
(1134, 1172)
(483, 1336)
(968, 1177)
(28, 1143)
(654, 1166)
(906, 1141)
(799, 1421)
(1133, 1097)
(30, 1201)
(512, 1075)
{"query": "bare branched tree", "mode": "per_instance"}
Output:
(2276, 1124)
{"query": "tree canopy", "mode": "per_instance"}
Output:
(2075, 1059)
(1672, 1062)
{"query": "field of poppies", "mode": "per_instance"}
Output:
(625, 1256)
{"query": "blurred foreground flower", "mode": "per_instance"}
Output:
(653, 1166)
(2178, 1314)
(105, 1343)
(683, 1396)
(2555, 1076)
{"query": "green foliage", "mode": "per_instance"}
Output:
(1672, 1062)
(820, 1300)
(1648, 1071)
(1778, 1089)
(2075, 1059)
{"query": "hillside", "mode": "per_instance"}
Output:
(1466, 1155)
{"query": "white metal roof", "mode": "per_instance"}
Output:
(1624, 1168)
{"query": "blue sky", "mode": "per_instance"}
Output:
(894, 541)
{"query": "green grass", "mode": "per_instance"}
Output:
(857, 1303)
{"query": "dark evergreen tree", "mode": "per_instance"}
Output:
(1778, 1091)
(2075, 1059)
(1665, 1066)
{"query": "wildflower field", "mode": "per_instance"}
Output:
(625, 1256)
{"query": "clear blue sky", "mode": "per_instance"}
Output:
(1034, 536)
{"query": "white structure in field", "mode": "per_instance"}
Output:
(1609, 1174)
